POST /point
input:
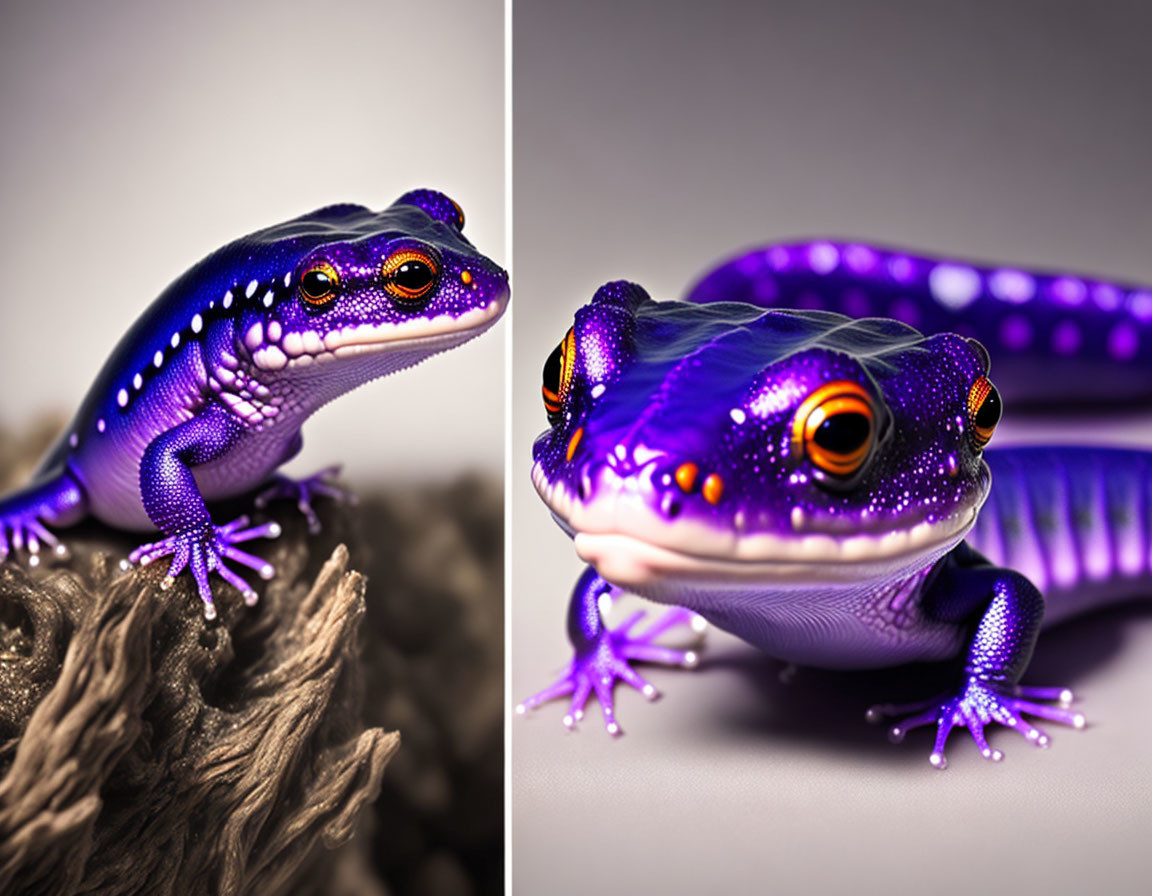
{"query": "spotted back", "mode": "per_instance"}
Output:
(1091, 337)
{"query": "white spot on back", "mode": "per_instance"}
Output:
(101, 425)
(268, 299)
(738, 416)
(228, 299)
(1068, 290)
(1011, 286)
(122, 397)
(598, 390)
(158, 358)
(251, 290)
(823, 257)
(1106, 296)
(1140, 304)
(954, 286)
(175, 340)
(137, 381)
(197, 323)
(287, 278)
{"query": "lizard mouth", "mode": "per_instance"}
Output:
(443, 331)
(632, 545)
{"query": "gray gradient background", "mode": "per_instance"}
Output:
(652, 138)
(138, 137)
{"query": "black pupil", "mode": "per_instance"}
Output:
(316, 284)
(414, 276)
(843, 433)
(990, 410)
(552, 371)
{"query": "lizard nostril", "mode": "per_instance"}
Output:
(670, 506)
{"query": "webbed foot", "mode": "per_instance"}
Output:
(977, 706)
(610, 659)
(26, 515)
(26, 533)
(303, 491)
(204, 551)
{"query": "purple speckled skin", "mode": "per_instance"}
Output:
(674, 462)
(205, 395)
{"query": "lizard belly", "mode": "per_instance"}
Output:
(107, 460)
(836, 626)
(251, 462)
(112, 443)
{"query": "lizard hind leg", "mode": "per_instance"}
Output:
(979, 706)
(305, 491)
(1006, 610)
(26, 515)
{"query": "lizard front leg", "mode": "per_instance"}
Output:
(603, 656)
(173, 502)
(1006, 610)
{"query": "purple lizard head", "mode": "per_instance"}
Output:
(382, 289)
(283, 320)
(721, 443)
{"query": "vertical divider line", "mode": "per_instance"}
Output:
(508, 344)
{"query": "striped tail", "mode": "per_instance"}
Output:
(1077, 521)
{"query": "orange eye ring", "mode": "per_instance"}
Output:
(318, 284)
(558, 372)
(835, 428)
(984, 410)
(410, 274)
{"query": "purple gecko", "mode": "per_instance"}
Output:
(813, 482)
(205, 395)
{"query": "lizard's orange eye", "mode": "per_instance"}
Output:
(410, 274)
(984, 410)
(558, 370)
(318, 284)
(835, 428)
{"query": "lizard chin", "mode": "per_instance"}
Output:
(633, 546)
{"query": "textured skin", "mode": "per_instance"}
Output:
(673, 462)
(205, 395)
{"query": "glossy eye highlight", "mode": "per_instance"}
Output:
(984, 410)
(318, 284)
(410, 274)
(558, 370)
(835, 428)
